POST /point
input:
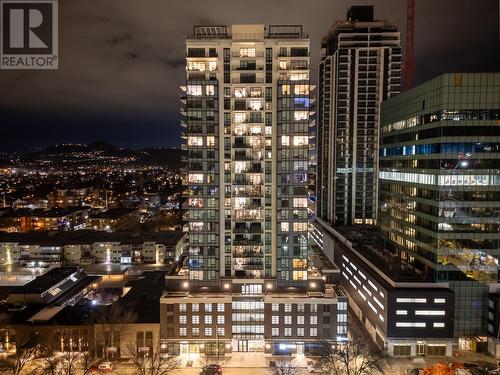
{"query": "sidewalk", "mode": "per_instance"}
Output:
(242, 360)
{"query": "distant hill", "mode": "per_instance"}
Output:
(157, 156)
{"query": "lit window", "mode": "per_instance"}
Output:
(401, 312)
(220, 319)
(300, 331)
(195, 178)
(196, 65)
(275, 307)
(220, 331)
(285, 140)
(275, 331)
(313, 332)
(210, 141)
(182, 307)
(283, 64)
(288, 319)
(288, 332)
(183, 331)
(195, 141)
(210, 89)
(240, 92)
(208, 307)
(301, 90)
(300, 115)
(299, 77)
(411, 300)
(285, 226)
(255, 92)
(300, 140)
(313, 320)
(255, 105)
(208, 319)
(299, 275)
(300, 319)
(240, 117)
(196, 331)
(411, 324)
(430, 312)
(220, 307)
(288, 307)
(247, 52)
(182, 319)
(300, 202)
(208, 331)
(285, 90)
(195, 319)
(438, 325)
(194, 90)
(300, 227)
(341, 330)
(275, 319)
(212, 65)
(439, 300)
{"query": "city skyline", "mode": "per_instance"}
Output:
(107, 86)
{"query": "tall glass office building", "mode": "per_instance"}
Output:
(439, 187)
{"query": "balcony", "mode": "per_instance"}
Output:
(246, 56)
(248, 254)
(248, 68)
(247, 242)
(243, 156)
(247, 80)
(247, 192)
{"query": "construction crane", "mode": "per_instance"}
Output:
(410, 39)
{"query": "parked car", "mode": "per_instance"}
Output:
(211, 370)
(106, 367)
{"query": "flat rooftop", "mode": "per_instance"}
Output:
(87, 237)
(366, 242)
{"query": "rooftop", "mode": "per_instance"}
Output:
(248, 32)
(83, 237)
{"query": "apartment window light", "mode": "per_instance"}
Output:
(194, 90)
(285, 140)
(247, 52)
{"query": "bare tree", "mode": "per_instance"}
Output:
(284, 366)
(61, 363)
(352, 357)
(87, 361)
(23, 358)
(153, 362)
(111, 321)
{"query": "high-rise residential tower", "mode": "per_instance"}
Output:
(360, 67)
(247, 105)
(247, 118)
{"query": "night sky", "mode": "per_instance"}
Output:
(121, 61)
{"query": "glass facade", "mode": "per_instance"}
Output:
(439, 185)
